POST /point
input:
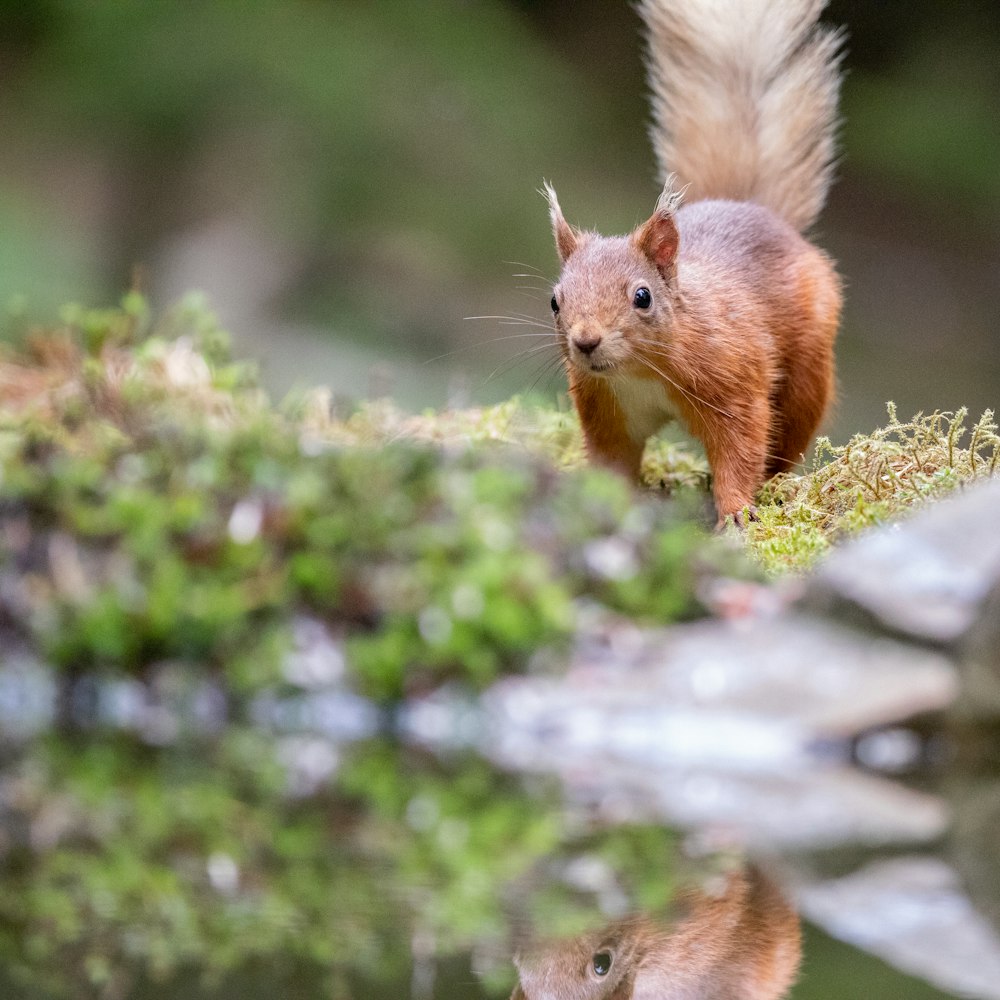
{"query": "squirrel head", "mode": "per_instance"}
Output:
(739, 939)
(596, 966)
(614, 298)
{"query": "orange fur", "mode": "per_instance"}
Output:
(742, 945)
(739, 334)
(736, 338)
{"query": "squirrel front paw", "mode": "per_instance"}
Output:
(740, 518)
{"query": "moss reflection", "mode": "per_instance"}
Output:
(124, 864)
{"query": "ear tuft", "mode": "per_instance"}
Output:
(657, 237)
(671, 197)
(566, 237)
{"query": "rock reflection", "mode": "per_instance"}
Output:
(912, 912)
(739, 943)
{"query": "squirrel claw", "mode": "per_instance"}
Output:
(740, 518)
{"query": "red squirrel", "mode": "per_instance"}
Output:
(718, 312)
(744, 944)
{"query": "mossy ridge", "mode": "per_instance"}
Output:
(846, 488)
(154, 505)
(553, 433)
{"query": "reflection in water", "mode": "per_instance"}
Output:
(913, 911)
(742, 943)
(153, 844)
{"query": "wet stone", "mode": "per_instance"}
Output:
(745, 726)
(928, 576)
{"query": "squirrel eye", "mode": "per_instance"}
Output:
(602, 963)
(642, 298)
(555, 305)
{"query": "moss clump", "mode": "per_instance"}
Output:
(154, 505)
(869, 480)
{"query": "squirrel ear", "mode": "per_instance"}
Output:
(657, 237)
(567, 238)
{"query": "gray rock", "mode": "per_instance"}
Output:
(927, 576)
(821, 678)
(734, 725)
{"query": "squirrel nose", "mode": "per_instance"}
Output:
(586, 345)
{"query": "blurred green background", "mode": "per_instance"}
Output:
(349, 180)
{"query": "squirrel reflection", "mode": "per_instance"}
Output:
(743, 944)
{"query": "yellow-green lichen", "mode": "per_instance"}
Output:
(869, 480)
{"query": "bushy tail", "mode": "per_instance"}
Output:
(745, 100)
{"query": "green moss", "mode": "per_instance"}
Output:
(871, 479)
(155, 505)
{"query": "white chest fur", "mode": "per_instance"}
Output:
(645, 403)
